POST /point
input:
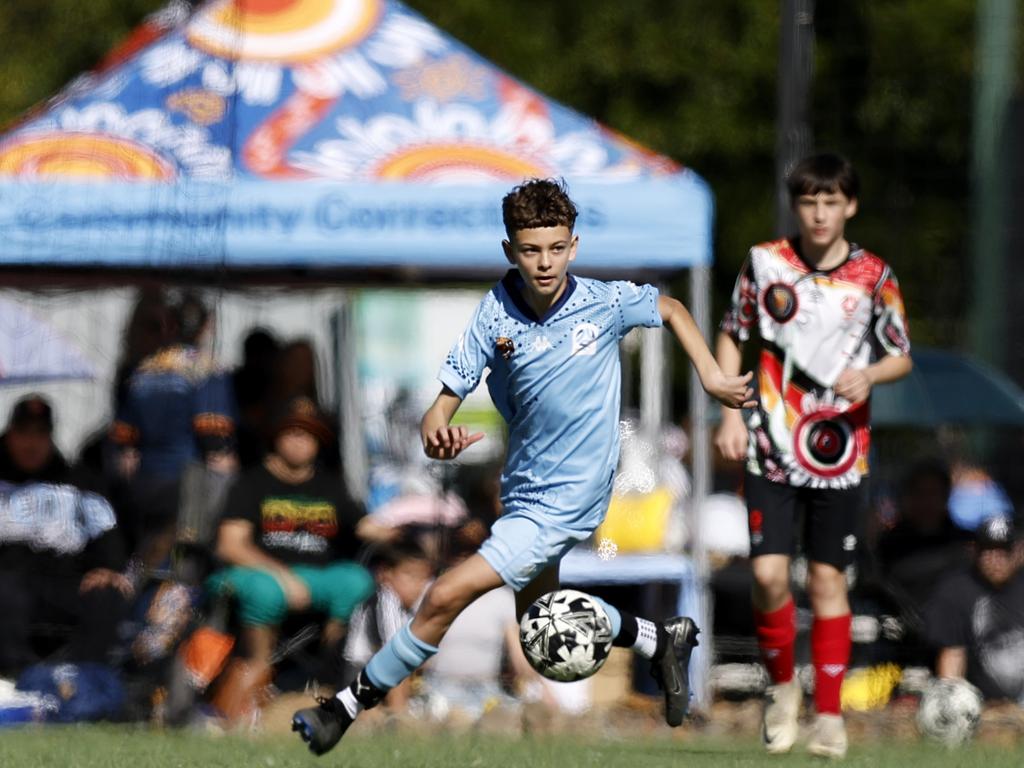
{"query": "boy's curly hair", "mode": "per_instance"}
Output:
(538, 203)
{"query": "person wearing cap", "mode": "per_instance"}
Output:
(27, 451)
(289, 537)
(61, 554)
(975, 620)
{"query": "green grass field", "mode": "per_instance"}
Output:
(114, 747)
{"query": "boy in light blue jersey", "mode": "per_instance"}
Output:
(551, 342)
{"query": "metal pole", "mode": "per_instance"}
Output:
(653, 379)
(993, 90)
(700, 442)
(796, 67)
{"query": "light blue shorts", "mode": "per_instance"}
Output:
(523, 543)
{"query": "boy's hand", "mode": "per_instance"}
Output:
(447, 442)
(854, 385)
(731, 391)
(731, 438)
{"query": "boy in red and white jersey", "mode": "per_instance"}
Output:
(830, 324)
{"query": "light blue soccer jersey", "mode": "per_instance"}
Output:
(556, 380)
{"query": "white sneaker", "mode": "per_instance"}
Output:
(781, 710)
(828, 739)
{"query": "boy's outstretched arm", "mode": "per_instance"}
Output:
(440, 440)
(730, 390)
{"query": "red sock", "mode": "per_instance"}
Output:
(776, 633)
(830, 653)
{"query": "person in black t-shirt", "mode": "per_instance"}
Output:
(289, 535)
(976, 617)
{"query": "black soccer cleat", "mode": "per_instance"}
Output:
(322, 727)
(672, 669)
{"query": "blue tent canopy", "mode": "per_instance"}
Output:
(321, 134)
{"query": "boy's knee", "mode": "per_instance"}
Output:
(443, 600)
(771, 573)
(825, 582)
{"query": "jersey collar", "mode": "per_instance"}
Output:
(854, 252)
(513, 284)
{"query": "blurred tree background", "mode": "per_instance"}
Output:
(694, 80)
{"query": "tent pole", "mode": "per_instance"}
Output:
(653, 375)
(700, 308)
(352, 440)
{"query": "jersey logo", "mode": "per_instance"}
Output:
(584, 339)
(541, 344)
(780, 301)
(505, 346)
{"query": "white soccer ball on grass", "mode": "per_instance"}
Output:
(949, 711)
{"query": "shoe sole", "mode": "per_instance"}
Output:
(828, 752)
(778, 747)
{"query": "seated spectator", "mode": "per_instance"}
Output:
(295, 375)
(289, 538)
(60, 551)
(976, 618)
(924, 544)
(402, 572)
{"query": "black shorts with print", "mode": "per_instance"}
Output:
(830, 518)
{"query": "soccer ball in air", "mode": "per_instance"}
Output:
(949, 711)
(566, 635)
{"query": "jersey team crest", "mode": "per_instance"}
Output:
(813, 325)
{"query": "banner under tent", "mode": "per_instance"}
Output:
(344, 149)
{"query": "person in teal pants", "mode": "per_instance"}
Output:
(288, 538)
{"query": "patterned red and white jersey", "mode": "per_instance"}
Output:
(813, 324)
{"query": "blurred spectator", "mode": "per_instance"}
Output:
(402, 572)
(924, 544)
(177, 408)
(295, 375)
(289, 536)
(976, 497)
(253, 382)
(480, 487)
(27, 450)
(150, 328)
(976, 618)
(60, 551)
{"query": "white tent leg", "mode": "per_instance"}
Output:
(700, 442)
(654, 374)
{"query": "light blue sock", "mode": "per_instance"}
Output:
(613, 614)
(402, 655)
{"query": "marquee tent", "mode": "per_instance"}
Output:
(338, 140)
(322, 134)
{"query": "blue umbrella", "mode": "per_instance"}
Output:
(948, 388)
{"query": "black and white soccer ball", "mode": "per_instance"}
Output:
(566, 635)
(949, 711)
